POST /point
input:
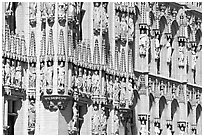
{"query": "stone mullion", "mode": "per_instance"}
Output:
(26, 34)
(38, 38)
(55, 41)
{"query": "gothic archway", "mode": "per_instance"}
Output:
(152, 18)
(198, 112)
(151, 101)
(174, 107)
(189, 31)
(189, 108)
(198, 36)
(162, 24)
(162, 104)
(174, 28)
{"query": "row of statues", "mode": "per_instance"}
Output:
(124, 26)
(119, 91)
(100, 17)
(99, 121)
(12, 73)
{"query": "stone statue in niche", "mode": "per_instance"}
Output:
(116, 121)
(181, 54)
(104, 17)
(75, 123)
(95, 121)
(123, 93)
(49, 77)
(89, 82)
(130, 93)
(61, 11)
(157, 47)
(42, 76)
(169, 50)
(110, 88)
(143, 43)
(32, 76)
(123, 26)
(33, 11)
(143, 128)
(97, 17)
(3, 72)
(85, 81)
(31, 115)
(117, 25)
(50, 11)
(13, 73)
(116, 90)
(130, 27)
(61, 77)
(96, 83)
(80, 81)
(18, 76)
(74, 77)
(128, 127)
(103, 122)
(7, 72)
(71, 8)
(194, 57)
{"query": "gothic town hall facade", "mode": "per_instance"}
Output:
(101, 68)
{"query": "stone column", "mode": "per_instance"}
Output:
(143, 104)
(6, 113)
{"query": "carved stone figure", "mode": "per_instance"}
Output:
(18, 76)
(32, 76)
(74, 77)
(61, 76)
(42, 75)
(123, 92)
(143, 43)
(143, 129)
(49, 76)
(95, 121)
(116, 90)
(96, 83)
(117, 25)
(110, 88)
(32, 11)
(75, 117)
(31, 116)
(116, 123)
(3, 73)
(157, 47)
(124, 26)
(97, 17)
(169, 50)
(103, 122)
(181, 55)
(130, 93)
(104, 17)
(50, 11)
(61, 11)
(71, 8)
(130, 27)
(128, 127)
(194, 57)
(13, 73)
(89, 82)
(156, 130)
(7, 72)
(80, 81)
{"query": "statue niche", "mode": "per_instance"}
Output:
(61, 77)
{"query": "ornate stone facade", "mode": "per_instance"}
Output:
(102, 68)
